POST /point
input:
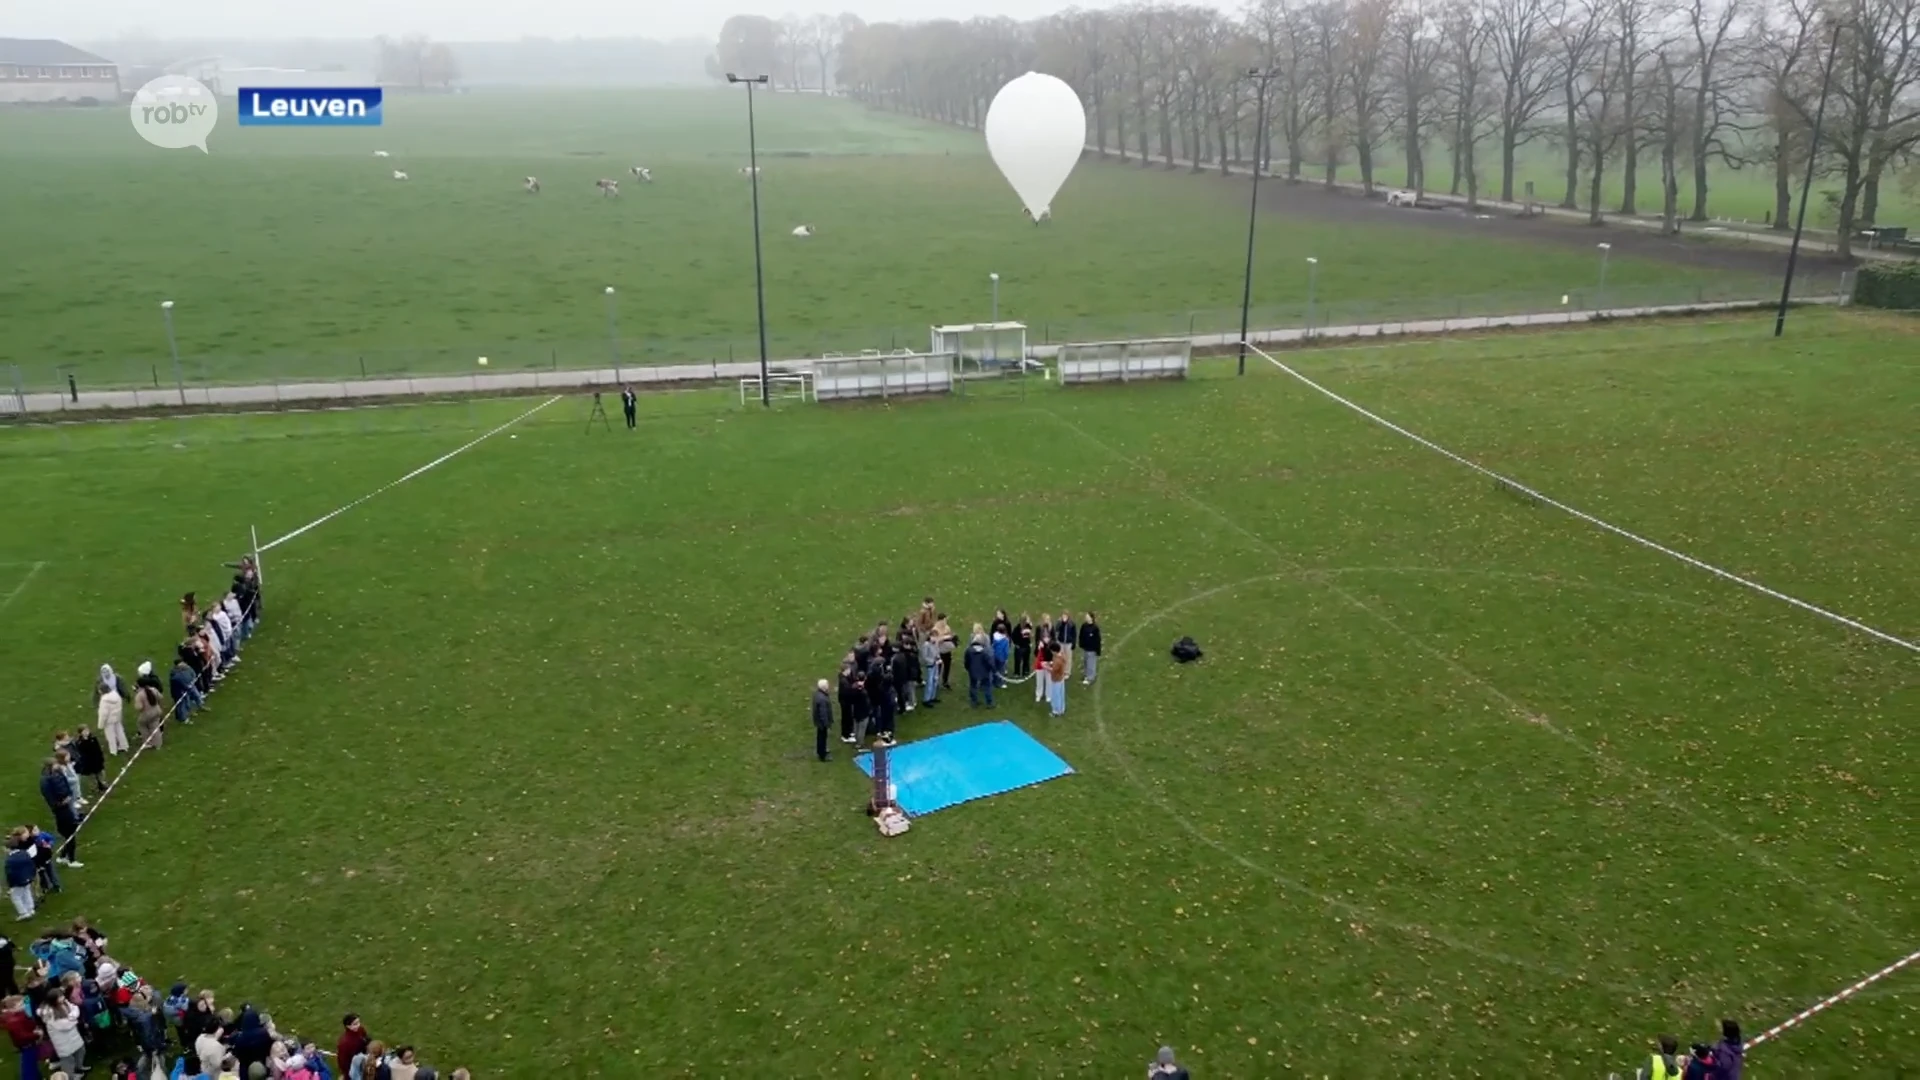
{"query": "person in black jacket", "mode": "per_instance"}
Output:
(630, 405)
(1022, 647)
(1090, 647)
(822, 719)
(880, 698)
(979, 672)
(60, 798)
(1066, 636)
(849, 691)
(901, 670)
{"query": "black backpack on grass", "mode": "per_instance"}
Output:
(1185, 651)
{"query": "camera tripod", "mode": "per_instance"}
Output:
(599, 413)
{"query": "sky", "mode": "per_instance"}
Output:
(458, 20)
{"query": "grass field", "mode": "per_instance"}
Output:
(519, 767)
(292, 253)
(1744, 194)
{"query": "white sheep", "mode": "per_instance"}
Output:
(398, 175)
(749, 170)
(803, 230)
(381, 153)
(608, 188)
(533, 185)
(643, 174)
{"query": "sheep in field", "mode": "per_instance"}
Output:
(642, 174)
(533, 185)
(398, 175)
(608, 188)
(803, 230)
(381, 153)
(749, 170)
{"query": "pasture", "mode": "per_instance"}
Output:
(519, 766)
(293, 254)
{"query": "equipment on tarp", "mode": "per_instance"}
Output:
(886, 813)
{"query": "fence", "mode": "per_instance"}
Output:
(275, 380)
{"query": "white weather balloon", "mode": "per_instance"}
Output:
(1036, 131)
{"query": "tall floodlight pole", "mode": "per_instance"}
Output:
(993, 335)
(613, 335)
(1313, 272)
(759, 275)
(166, 312)
(1806, 189)
(1605, 250)
(1260, 76)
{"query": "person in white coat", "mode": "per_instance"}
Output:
(62, 1022)
(110, 705)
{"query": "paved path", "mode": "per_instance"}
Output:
(224, 398)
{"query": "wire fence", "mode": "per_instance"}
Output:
(157, 371)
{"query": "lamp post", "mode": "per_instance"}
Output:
(1260, 76)
(613, 335)
(1313, 272)
(1806, 189)
(1600, 300)
(166, 312)
(759, 276)
(993, 335)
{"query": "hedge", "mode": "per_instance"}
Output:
(1889, 285)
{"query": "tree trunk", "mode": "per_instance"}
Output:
(1593, 197)
(1843, 241)
(1453, 152)
(1572, 198)
(1509, 144)
(1416, 166)
(1365, 150)
(1473, 178)
(1699, 152)
(1870, 200)
(1782, 181)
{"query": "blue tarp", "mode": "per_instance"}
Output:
(960, 766)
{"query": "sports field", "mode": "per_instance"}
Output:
(294, 254)
(520, 764)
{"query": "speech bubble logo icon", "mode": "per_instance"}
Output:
(174, 112)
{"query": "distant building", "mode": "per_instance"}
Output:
(226, 77)
(41, 70)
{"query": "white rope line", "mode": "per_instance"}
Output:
(1822, 1006)
(324, 518)
(1589, 518)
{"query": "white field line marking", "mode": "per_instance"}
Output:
(20, 588)
(330, 515)
(1589, 518)
(1823, 1005)
(1649, 785)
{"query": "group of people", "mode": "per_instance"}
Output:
(1724, 1060)
(74, 774)
(895, 670)
(78, 1005)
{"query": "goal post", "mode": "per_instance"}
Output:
(1125, 361)
(781, 386)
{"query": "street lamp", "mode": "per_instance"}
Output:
(1260, 76)
(759, 275)
(1806, 189)
(166, 312)
(1313, 272)
(1602, 297)
(613, 335)
(993, 335)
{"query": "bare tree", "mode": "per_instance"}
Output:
(1714, 108)
(1468, 35)
(1578, 34)
(1520, 31)
(1600, 125)
(1633, 27)
(1416, 60)
(1785, 47)
(1327, 56)
(1873, 118)
(1368, 24)
(1668, 126)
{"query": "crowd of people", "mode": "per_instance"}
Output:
(77, 1004)
(891, 670)
(1724, 1060)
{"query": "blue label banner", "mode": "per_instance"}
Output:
(305, 106)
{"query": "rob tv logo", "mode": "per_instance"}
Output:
(309, 107)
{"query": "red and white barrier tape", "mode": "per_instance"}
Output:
(1817, 1008)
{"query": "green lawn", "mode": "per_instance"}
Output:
(1744, 194)
(293, 254)
(519, 766)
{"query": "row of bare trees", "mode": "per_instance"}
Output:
(1648, 91)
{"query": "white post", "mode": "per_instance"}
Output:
(1313, 272)
(993, 335)
(1600, 300)
(259, 574)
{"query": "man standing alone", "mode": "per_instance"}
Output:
(629, 403)
(979, 672)
(822, 719)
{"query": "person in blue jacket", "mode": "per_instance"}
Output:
(20, 874)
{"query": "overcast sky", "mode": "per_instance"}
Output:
(500, 20)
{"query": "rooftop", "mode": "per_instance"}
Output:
(44, 52)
